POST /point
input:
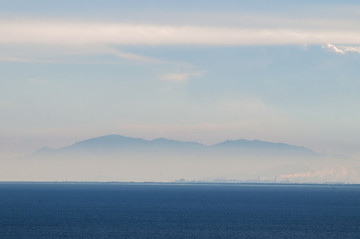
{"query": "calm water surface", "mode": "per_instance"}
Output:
(178, 211)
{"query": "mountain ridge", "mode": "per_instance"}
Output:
(113, 142)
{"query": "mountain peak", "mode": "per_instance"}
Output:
(261, 147)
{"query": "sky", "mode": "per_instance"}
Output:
(205, 71)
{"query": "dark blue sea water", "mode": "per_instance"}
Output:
(178, 211)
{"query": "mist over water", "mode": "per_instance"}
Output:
(167, 166)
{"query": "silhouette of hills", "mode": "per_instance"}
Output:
(121, 158)
(119, 143)
(257, 146)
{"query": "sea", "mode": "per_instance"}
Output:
(150, 210)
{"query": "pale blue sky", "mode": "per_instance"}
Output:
(191, 70)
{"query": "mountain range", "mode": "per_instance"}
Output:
(121, 158)
(116, 144)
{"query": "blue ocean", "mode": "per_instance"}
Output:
(114, 210)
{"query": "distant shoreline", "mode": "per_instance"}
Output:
(179, 184)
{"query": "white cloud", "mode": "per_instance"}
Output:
(341, 49)
(180, 77)
(351, 49)
(333, 48)
(137, 57)
(89, 33)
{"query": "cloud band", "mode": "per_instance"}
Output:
(86, 33)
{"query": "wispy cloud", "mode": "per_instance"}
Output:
(180, 77)
(24, 59)
(137, 57)
(341, 49)
(89, 33)
(333, 48)
(61, 54)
